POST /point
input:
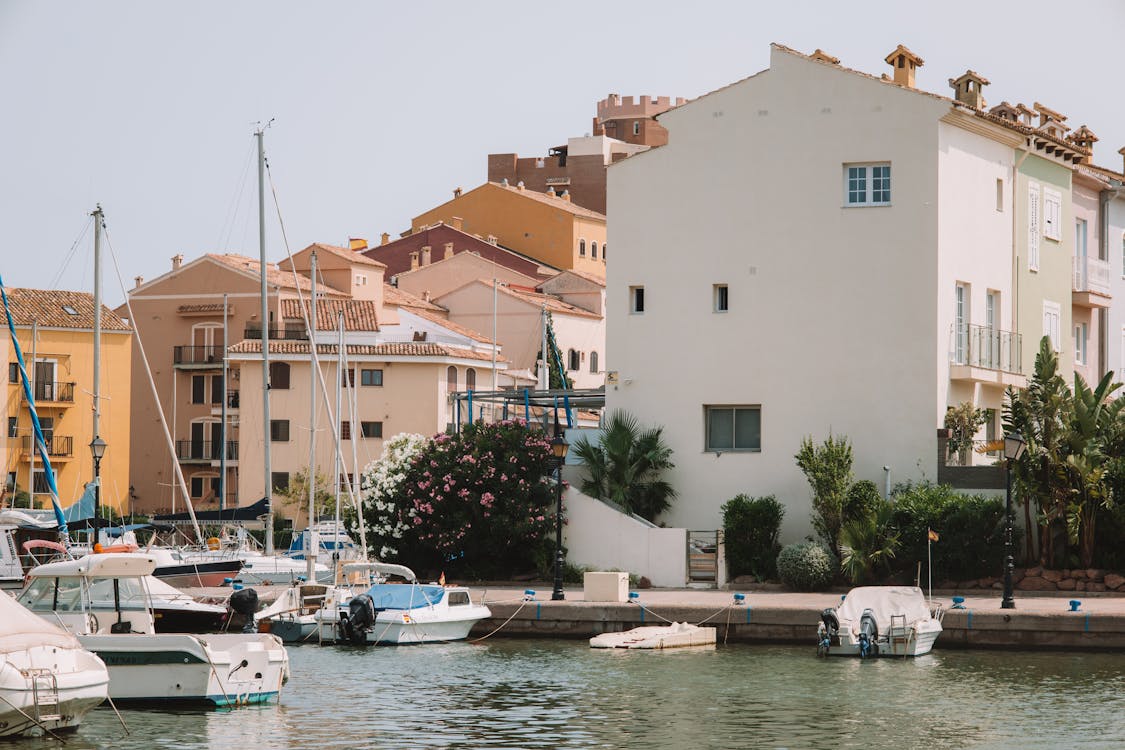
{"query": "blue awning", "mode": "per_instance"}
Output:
(404, 595)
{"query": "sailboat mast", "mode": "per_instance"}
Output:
(310, 543)
(545, 371)
(97, 360)
(265, 340)
(31, 452)
(223, 431)
(339, 436)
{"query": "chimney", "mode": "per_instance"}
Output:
(504, 182)
(519, 185)
(565, 196)
(904, 63)
(825, 57)
(448, 251)
(456, 192)
(139, 279)
(492, 239)
(1051, 121)
(386, 238)
(357, 244)
(969, 89)
(551, 191)
(455, 222)
(425, 255)
(413, 260)
(1084, 138)
(177, 261)
(426, 295)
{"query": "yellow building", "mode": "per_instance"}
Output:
(63, 352)
(543, 226)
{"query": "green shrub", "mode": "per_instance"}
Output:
(970, 528)
(750, 529)
(862, 501)
(868, 543)
(828, 469)
(806, 566)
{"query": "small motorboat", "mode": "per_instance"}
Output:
(399, 613)
(292, 615)
(88, 597)
(657, 637)
(880, 621)
(48, 681)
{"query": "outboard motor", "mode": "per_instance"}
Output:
(245, 602)
(829, 627)
(353, 625)
(868, 634)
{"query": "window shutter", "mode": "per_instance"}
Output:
(1033, 230)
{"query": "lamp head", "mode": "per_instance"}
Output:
(559, 447)
(1014, 446)
(97, 447)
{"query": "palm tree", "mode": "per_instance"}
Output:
(625, 465)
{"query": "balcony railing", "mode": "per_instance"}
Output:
(57, 445)
(197, 355)
(205, 450)
(1091, 275)
(288, 333)
(46, 391)
(232, 399)
(988, 348)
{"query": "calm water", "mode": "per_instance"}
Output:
(551, 694)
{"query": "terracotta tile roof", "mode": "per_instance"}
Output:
(392, 295)
(398, 349)
(554, 304)
(396, 254)
(348, 255)
(359, 315)
(554, 202)
(599, 280)
(49, 310)
(274, 275)
(456, 328)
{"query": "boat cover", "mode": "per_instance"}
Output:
(227, 515)
(404, 596)
(883, 601)
(21, 629)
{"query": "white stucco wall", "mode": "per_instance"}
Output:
(1115, 359)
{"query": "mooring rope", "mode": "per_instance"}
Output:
(497, 630)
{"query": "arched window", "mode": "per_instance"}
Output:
(581, 248)
(573, 358)
(593, 361)
(279, 375)
(471, 379)
(594, 250)
(451, 378)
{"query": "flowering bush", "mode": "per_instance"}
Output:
(381, 483)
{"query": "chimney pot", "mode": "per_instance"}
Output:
(413, 260)
(139, 279)
(177, 261)
(492, 239)
(448, 250)
(504, 182)
(551, 191)
(426, 295)
(456, 192)
(904, 62)
(386, 238)
(425, 255)
(565, 196)
(519, 185)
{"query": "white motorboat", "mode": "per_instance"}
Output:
(48, 681)
(880, 621)
(292, 615)
(88, 597)
(399, 613)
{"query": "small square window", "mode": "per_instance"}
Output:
(371, 377)
(636, 299)
(345, 430)
(733, 429)
(867, 185)
(372, 429)
(279, 480)
(279, 430)
(720, 297)
(13, 372)
(13, 427)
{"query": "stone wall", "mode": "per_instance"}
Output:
(1044, 579)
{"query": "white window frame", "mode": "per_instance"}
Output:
(636, 127)
(1081, 341)
(720, 298)
(1034, 229)
(1052, 323)
(734, 409)
(1052, 215)
(860, 196)
(361, 279)
(637, 293)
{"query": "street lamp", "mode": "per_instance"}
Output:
(97, 449)
(1014, 447)
(559, 447)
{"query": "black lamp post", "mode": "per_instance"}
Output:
(559, 447)
(97, 448)
(1014, 447)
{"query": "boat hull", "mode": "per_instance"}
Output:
(81, 680)
(913, 642)
(411, 627)
(201, 574)
(294, 629)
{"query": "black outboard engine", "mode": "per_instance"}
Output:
(868, 634)
(353, 625)
(829, 627)
(244, 602)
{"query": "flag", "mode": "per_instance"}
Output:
(441, 579)
(933, 535)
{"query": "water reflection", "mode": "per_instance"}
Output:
(547, 694)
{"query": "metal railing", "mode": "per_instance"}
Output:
(1091, 275)
(57, 445)
(288, 333)
(979, 453)
(205, 450)
(989, 348)
(50, 391)
(197, 355)
(232, 399)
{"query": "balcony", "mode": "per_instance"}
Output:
(205, 451)
(233, 399)
(1090, 283)
(207, 357)
(987, 355)
(288, 333)
(58, 446)
(46, 393)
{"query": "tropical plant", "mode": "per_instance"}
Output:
(296, 495)
(625, 466)
(750, 531)
(385, 515)
(828, 468)
(806, 566)
(868, 541)
(963, 421)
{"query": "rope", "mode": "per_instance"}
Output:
(494, 632)
(70, 254)
(119, 718)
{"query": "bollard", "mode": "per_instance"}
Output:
(958, 602)
(529, 595)
(633, 596)
(1075, 604)
(739, 599)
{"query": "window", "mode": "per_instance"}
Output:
(594, 250)
(636, 299)
(961, 323)
(198, 389)
(581, 248)
(216, 389)
(605, 249)
(990, 433)
(360, 279)
(1052, 318)
(719, 297)
(14, 367)
(1081, 337)
(451, 378)
(636, 127)
(13, 427)
(345, 430)
(572, 360)
(279, 430)
(593, 361)
(204, 486)
(279, 375)
(470, 379)
(347, 378)
(1080, 238)
(999, 194)
(279, 480)
(39, 484)
(1052, 215)
(867, 185)
(371, 377)
(1033, 230)
(733, 428)
(372, 429)
(70, 310)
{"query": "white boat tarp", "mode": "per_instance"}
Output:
(883, 601)
(21, 629)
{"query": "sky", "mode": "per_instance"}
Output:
(380, 109)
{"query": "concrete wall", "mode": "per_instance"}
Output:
(445, 275)
(1115, 240)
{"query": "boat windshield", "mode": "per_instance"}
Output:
(65, 594)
